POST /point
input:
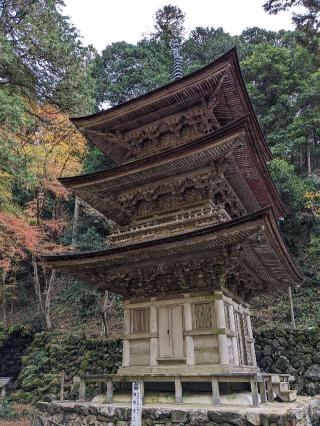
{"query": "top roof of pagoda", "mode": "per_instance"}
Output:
(131, 130)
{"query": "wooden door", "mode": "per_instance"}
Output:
(171, 332)
(164, 333)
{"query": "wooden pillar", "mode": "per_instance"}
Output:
(269, 389)
(215, 392)
(221, 323)
(253, 351)
(126, 343)
(153, 340)
(234, 338)
(190, 359)
(262, 390)
(178, 390)
(109, 394)
(254, 392)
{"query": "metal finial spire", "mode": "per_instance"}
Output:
(177, 60)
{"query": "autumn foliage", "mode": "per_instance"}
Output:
(17, 238)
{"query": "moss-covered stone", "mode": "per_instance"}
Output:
(49, 354)
(13, 344)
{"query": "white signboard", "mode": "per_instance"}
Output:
(136, 415)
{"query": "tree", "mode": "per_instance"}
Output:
(41, 56)
(272, 84)
(17, 239)
(205, 44)
(124, 70)
(169, 24)
(43, 290)
(308, 20)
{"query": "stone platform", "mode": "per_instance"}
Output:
(303, 412)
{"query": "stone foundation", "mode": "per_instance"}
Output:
(304, 412)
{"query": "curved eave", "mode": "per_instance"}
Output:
(230, 57)
(73, 182)
(263, 217)
(149, 96)
(243, 124)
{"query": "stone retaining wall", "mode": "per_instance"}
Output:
(304, 413)
(293, 351)
(12, 348)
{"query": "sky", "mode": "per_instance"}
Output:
(101, 22)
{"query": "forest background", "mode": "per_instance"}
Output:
(47, 75)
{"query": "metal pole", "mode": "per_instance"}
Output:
(293, 322)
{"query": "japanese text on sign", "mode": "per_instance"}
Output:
(136, 416)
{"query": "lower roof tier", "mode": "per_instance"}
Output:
(245, 254)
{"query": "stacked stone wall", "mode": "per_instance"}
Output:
(12, 347)
(292, 351)
(304, 413)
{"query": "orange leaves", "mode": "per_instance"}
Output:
(57, 146)
(48, 146)
(17, 238)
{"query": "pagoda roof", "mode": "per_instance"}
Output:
(250, 247)
(245, 170)
(221, 79)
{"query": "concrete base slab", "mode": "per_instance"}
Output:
(203, 398)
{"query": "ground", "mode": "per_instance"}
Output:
(25, 413)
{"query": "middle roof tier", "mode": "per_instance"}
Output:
(224, 168)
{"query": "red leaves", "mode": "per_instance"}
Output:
(17, 238)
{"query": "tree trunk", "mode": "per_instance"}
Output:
(37, 285)
(308, 160)
(44, 299)
(104, 309)
(47, 302)
(75, 222)
(4, 302)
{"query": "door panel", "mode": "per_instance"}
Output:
(171, 342)
(177, 331)
(164, 333)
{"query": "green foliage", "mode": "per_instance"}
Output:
(205, 44)
(7, 412)
(96, 161)
(306, 17)
(90, 240)
(42, 57)
(80, 298)
(49, 354)
(291, 186)
(271, 83)
(124, 70)
(169, 24)
(273, 310)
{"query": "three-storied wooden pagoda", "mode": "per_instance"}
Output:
(197, 215)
